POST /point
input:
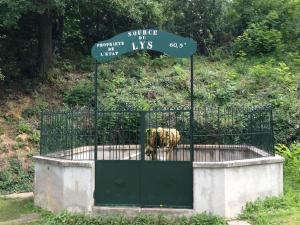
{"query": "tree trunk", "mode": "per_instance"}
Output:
(45, 43)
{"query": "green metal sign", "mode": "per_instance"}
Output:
(144, 39)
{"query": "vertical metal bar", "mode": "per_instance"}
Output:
(192, 111)
(72, 133)
(142, 135)
(41, 132)
(96, 111)
(142, 153)
(219, 134)
(272, 132)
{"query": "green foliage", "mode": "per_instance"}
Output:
(80, 94)
(292, 164)
(67, 218)
(291, 154)
(14, 178)
(11, 209)
(24, 127)
(34, 135)
(257, 39)
(204, 20)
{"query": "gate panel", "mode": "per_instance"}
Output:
(117, 183)
(167, 184)
(126, 176)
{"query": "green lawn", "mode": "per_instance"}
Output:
(11, 209)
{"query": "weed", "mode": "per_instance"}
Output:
(19, 145)
(24, 127)
(1, 130)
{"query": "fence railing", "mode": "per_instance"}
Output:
(219, 133)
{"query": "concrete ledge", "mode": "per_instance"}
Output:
(134, 211)
(224, 188)
(221, 188)
(64, 162)
(64, 184)
(239, 163)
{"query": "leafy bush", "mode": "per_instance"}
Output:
(15, 179)
(292, 164)
(257, 39)
(80, 95)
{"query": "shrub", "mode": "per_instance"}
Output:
(80, 95)
(257, 39)
(292, 164)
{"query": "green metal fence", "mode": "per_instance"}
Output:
(219, 133)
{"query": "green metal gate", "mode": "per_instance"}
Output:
(126, 176)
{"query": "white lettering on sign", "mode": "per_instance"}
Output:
(141, 45)
(102, 54)
(177, 45)
(142, 33)
(110, 44)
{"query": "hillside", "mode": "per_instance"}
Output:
(144, 82)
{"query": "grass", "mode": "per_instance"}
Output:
(11, 209)
(273, 211)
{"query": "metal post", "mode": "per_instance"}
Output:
(72, 132)
(142, 152)
(42, 132)
(272, 132)
(96, 111)
(192, 111)
(142, 137)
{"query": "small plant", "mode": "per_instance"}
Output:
(29, 112)
(3, 148)
(24, 127)
(19, 145)
(35, 137)
(1, 130)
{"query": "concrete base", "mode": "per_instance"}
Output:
(224, 188)
(221, 188)
(134, 211)
(64, 184)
